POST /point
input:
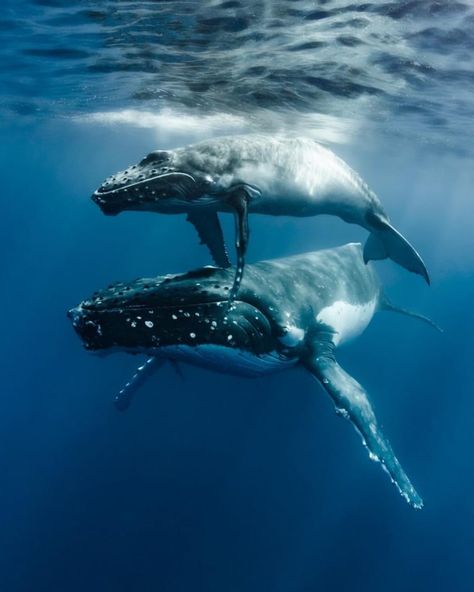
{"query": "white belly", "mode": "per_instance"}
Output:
(227, 359)
(347, 320)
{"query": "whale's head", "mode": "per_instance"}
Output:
(162, 182)
(183, 311)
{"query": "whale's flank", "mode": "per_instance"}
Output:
(289, 312)
(254, 173)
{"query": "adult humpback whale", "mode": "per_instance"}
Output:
(288, 312)
(264, 174)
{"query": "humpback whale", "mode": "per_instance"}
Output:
(263, 174)
(288, 312)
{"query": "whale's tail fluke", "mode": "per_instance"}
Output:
(386, 242)
(386, 304)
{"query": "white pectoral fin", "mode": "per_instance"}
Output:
(352, 402)
(124, 398)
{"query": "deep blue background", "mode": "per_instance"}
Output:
(213, 483)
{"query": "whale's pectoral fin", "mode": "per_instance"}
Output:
(239, 200)
(210, 233)
(352, 402)
(177, 367)
(124, 398)
(385, 241)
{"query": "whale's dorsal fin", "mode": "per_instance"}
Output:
(210, 233)
(352, 402)
(123, 399)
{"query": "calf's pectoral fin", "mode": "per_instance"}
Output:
(124, 398)
(238, 200)
(210, 233)
(352, 402)
(385, 241)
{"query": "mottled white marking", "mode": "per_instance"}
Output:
(293, 336)
(149, 324)
(347, 320)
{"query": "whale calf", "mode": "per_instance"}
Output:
(288, 312)
(280, 176)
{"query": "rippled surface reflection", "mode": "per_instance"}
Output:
(406, 66)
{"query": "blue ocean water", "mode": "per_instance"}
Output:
(212, 482)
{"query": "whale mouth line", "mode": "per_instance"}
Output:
(116, 308)
(100, 192)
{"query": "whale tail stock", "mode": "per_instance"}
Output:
(386, 242)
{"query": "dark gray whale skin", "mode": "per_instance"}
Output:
(288, 311)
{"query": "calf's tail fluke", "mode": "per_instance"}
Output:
(386, 242)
